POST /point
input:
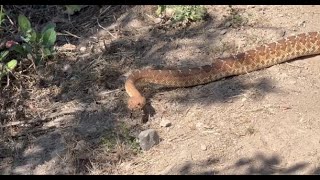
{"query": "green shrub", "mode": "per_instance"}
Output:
(183, 12)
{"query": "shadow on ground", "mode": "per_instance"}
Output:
(258, 164)
(66, 143)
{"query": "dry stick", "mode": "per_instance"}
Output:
(50, 117)
(8, 80)
(15, 123)
(34, 131)
(102, 94)
(104, 10)
(69, 33)
(10, 20)
(105, 29)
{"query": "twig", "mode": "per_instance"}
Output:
(149, 16)
(37, 131)
(10, 20)
(91, 63)
(16, 123)
(105, 45)
(8, 81)
(69, 33)
(103, 93)
(104, 10)
(105, 29)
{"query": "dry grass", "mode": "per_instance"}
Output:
(33, 97)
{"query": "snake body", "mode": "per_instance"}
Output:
(263, 56)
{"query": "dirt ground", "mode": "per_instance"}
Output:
(264, 122)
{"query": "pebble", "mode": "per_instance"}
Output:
(80, 145)
(203, 147)
(165, 123)
(148, 138)
(157, 20)
(223, 31)
(227, 24)
(83, 49)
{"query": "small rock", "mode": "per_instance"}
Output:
(80, 145)
(126, 165)
(203, 147)
(68, 47)
(157, 20)
(225, 54)
(148, 139)
(83, 49)
(66, 67)
(73, 78)
(227, 24)
(135, 23)
(223, 31)
(211, 30)
(165, 123)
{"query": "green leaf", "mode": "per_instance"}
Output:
(3, 54)
(48, 26)
(24, 24)
(27, 47)
(19, 49)
(38, 59)
(8, 67)
(49, 37)
(11, 64)
(47, 52)
(39, 37)
(33, 36)
(2, 14)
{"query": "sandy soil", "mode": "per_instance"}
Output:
(264, 122)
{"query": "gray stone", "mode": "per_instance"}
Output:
(203, 147)
(227, 24)
(157, 20)
(165, 123)
(223, 31)
(80, 145)
(83, 49)
(148, 138)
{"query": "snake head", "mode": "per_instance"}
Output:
(136, 103)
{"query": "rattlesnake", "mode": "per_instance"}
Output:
(260, 57)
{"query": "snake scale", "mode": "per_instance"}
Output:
(263, 56)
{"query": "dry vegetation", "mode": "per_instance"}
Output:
(54, 96)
